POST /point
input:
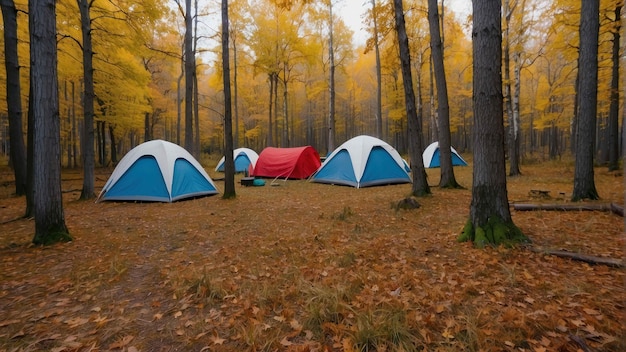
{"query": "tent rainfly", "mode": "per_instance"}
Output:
(244, 157)
(294, 163)
(361, 162)
(431, 156)
(157, 171)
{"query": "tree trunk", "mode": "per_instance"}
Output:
(178, 103)
(147, 127)
(74, 128)
(229, 162)
(30, 157)
(196, 95)
(189, 73)
(196, 116)
(447, 179)
(331, 83)
(14, 96)
(270, 139)
(49, 219)
(434, 129)
(420, 184)
(236, 97)
(613, 124)
(88, 153)
(490, 219)
(508, 95)
(286, 141)
(379, 100)
(584, 185)
(276, 134)
(516, 134)
(113, 145)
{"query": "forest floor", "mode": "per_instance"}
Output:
(312, 267)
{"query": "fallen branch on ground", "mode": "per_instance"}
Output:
(612, 262)
(612, 207)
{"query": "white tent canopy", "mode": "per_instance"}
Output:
(431, 156)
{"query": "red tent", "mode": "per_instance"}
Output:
(298, 163)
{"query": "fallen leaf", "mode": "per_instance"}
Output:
(217, 340)
(295, 325)
(285, 342)
(121, 343)
(447, 334)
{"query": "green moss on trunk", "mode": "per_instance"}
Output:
(495, 232)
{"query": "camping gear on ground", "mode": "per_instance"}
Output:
(431, 156)
(361, 162)
(157, 171)
(243, 157)
(287, 163)
(251, 181)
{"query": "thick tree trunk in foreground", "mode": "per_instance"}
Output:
(584, 184)
(49, 219)
(13, 94)
(490, 219)
(420, 184)
(447, 179)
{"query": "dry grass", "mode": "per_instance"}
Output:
(311, 267)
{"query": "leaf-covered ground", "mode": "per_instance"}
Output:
(311, 267)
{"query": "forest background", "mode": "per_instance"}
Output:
(280, 75)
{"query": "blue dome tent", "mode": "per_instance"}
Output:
(243, 157)
(363, 161)
(431, 156)
(157, 171)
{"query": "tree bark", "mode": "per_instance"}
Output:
(331, 82)
(196, 95)
(189, 73)
(113, 144)
(490, 219)
(420, 184)
(513, 143)
(87, 142)
(14, 96)
(447, 179)
(229, 162)
(584, 185)
(379, 100)
(49, 218)
(270, 138)
(613, 124)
